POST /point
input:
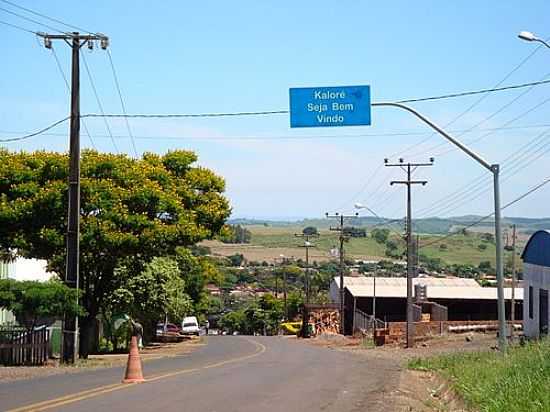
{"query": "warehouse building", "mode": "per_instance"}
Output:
(453, 299)
(536, 276)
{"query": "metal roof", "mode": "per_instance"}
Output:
(537, 249)
(437, 288)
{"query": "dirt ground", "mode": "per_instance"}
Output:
(261, 253)
(154, 351)
(416, 391)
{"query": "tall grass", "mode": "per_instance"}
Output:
(493, 382)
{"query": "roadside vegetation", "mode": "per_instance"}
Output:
(518, 381)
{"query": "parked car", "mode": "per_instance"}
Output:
(190, 326)
(170, 328)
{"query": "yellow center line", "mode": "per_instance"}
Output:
(90, 393)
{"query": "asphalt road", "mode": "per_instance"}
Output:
(228, 374)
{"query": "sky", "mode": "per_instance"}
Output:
(217, 56)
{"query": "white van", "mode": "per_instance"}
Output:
(190, 326)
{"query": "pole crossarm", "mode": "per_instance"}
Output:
(405, 182)
(70, 36)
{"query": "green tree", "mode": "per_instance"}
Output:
(157, 291)
(295, 300)
(380, 235)
(235, 234)
(234, 321)
(488, 237)
(132, 210)
(34, 303)
(392, 249)
(237, 259)
(485, 266)
(310, 231)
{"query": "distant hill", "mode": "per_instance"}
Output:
(431, 225)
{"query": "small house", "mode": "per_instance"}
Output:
(536, 277)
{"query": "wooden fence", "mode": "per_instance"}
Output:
(19, 346)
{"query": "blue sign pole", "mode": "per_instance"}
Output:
(330, 106)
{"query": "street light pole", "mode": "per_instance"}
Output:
(495, 170)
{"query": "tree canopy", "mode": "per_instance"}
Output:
(235, 234)
(132, 210)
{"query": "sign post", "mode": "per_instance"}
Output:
(330, 106)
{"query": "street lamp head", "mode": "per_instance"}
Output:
(359, 206)
(527, 36)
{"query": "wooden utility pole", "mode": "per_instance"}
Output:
(305, 314)
(342, 237)
(409, 168)
(75, 41)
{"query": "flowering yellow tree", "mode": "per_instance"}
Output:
(132, 210)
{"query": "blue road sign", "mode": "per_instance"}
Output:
(330, 106)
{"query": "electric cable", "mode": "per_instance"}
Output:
(90, 78)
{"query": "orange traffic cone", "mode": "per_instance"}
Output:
(133, 367)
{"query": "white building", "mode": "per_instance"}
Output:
(536, 276)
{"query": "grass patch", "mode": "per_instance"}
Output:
(459, 249)
(284, 237)
(491, 382)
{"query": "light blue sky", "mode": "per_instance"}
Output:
(193, 57)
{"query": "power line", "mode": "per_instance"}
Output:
(188, 115)
(15, 26)
(474, 92)
(250, 113)
(521, 197)
(45, 129)
(60, 68)
(515, 162)
(31, 20)
(467, 189)
(297, 137)
(481, 98)
(496, 87)
(45, 16)
(502, 108)
(122, 103)
(98, 101)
